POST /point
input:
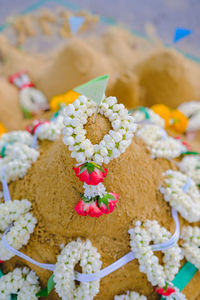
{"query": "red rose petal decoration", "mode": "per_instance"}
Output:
(165, 292)
(93, 178)
(91, 209)
(111, 204)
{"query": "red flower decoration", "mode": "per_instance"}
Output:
(32, 128)
(165, 291)
(88, 209)
(1, 261)
(107, 202)
(90, 173)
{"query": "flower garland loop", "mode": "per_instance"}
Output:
(182, 194)
(22, 282)
(112, 145)
(140, 237)
(24, 223)
(144, 115)
(159, 143)
(18, 160)
(190, 165)
(64, 273)
(191, 246)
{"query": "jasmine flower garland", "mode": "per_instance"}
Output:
(20, 136)
(64, 273)
(18, 161)
(159, 143)
(182, 194)
(22, 282)
(112, 145)
(24, 223)
(130, 296)
(191, 246)
(141, 236)
(190, 165)
(52, 130)
(140, 117)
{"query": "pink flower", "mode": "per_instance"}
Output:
(88, 209)
(107, 202)
(165, 291)
(90, 173)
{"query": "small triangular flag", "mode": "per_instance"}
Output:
(75, 23)
(94, 89)
(181, 33)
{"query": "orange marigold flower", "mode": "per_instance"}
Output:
(178, 121)
(164, 112)
(2, 129)
(66, 98)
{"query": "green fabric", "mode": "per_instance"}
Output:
(1, 273)
(184, 276)
(94, 89)
(190, 153)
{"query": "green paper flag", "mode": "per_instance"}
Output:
(94, 89)
(184, 276)
(46, 291)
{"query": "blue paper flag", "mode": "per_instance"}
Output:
(181, 33)
(75, 23)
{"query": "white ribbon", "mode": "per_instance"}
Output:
(6, 193)
(20, 254)
(34, 141)
(106, 271)
(187, 185)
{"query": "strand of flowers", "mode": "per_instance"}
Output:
(13, 137)
(18, 160)
(159, 143)
(191, 246)
(46, 130)
(190, 165)
(145, 115)
(130, 296)
(23, 225)
(112, 145)
(182, 194)
(140, 237)
(22, 282)
(96, 200)
(64, 273)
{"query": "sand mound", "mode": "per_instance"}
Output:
(127, 90)
(73, 65)
(53, 188)
(169, 78)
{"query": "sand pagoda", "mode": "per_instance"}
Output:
(53, 190)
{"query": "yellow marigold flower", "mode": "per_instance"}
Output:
(178, 121)
(66, 98)
(164, 112)
(2, 129)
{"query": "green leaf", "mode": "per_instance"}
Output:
(82, 169)
(111, 197)
(94, 89)
(46, 291)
